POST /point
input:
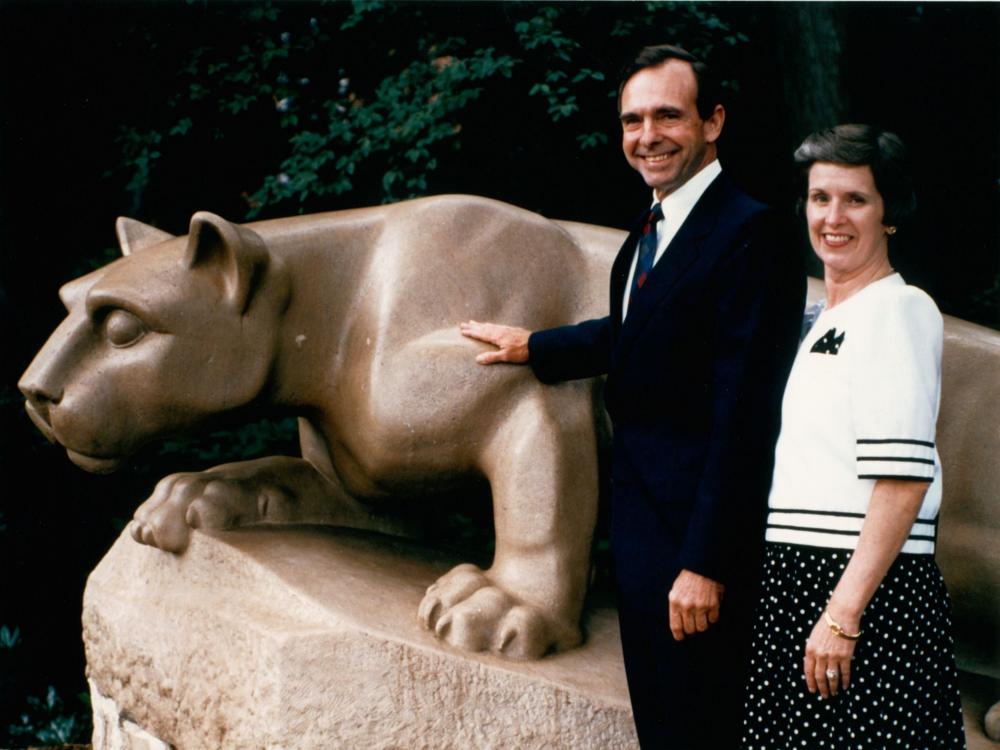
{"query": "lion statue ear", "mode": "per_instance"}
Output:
(134, 235)
(235, 255)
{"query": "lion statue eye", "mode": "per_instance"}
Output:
(122, 328)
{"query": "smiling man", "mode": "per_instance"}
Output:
(666, 137)
(705, 309)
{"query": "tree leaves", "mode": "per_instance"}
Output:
(381, 92)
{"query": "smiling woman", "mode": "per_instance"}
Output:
(844, 212)
(858, 194)
(857, 485)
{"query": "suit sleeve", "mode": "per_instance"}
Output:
(760, 295)
(570, 352)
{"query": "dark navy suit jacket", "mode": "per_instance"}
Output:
(694, 381)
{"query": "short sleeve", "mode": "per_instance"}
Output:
(896, 386)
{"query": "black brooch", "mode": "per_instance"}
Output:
(829, 342)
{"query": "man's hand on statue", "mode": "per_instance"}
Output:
(511, 342)
(694, 604)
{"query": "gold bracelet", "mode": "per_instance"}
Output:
(839, 631)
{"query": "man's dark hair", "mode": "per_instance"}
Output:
(865, 145)
(709, 90)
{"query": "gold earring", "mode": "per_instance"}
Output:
(890, 230)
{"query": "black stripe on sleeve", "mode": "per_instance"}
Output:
(896, 476)
(874, 441)
(893, 458)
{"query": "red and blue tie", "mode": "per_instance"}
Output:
(647, 249)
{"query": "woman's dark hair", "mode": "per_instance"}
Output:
(864, 145)
(709, 90)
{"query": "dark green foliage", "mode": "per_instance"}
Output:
(9, 638)
(339, 120)
(264, 437)
(985, 304)
(47, 720)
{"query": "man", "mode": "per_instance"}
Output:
(703, 326)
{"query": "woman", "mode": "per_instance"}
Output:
(852, 639)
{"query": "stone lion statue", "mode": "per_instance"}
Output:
(349, 321)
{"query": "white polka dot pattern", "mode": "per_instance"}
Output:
(903, 691)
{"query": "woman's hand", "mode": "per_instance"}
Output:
(890, 516)
(828, 658)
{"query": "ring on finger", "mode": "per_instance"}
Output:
(832, 674)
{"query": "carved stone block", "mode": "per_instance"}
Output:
(308, 638)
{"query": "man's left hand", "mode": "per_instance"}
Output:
(694, 604)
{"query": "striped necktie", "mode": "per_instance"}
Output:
(647, 249)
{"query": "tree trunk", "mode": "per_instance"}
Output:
(811, 51)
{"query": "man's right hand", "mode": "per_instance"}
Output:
(694, 602)
(511, 342)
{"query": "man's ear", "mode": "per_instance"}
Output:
(712, 125)
(235, 255)
(134, 235)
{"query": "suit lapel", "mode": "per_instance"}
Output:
(687, 247)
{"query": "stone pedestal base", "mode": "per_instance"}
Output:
(308, 638)
(112, 731)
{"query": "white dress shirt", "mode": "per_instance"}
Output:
(676, 208)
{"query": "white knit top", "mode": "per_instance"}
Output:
(861, 404)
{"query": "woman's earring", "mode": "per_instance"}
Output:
(890, 230)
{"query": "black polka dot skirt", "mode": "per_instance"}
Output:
(904, 685)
